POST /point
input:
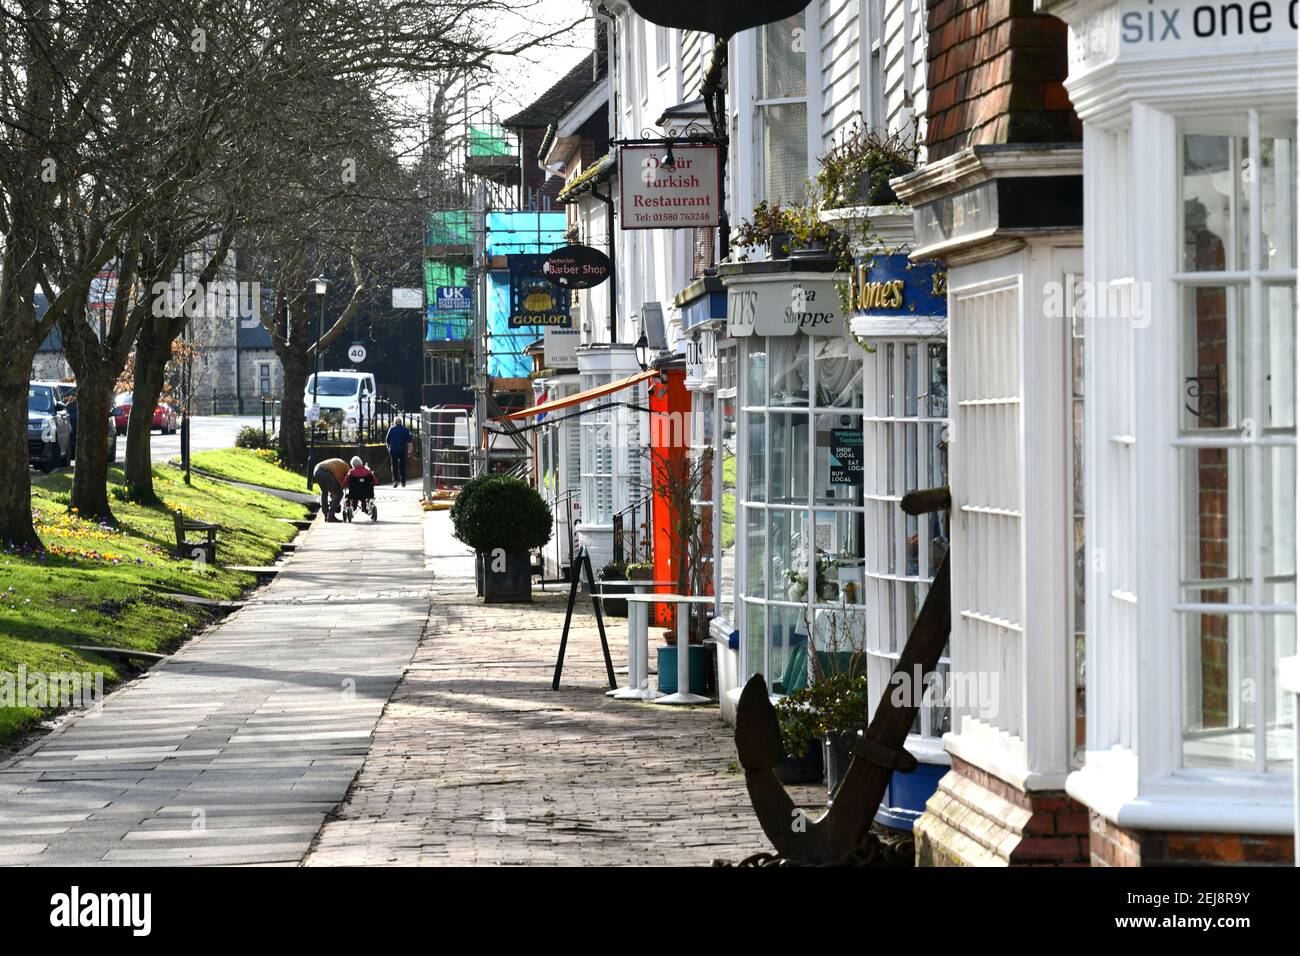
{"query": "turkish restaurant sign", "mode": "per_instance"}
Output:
(686, 195)
(783, 305)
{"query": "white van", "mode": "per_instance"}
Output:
(346, 391)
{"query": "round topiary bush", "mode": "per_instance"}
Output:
(503, 512)
(461, 506)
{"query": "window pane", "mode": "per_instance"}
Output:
(839, 373)
(1218, 717)
(782, 59)
(1214, 334)
(840, 557)
(1279, 356)
(787, 555)
(788, 370)
(756, 381)
(841, 483)
(787, 454)
(1279, 494)
(785, 152)
(1278, 202)
(1216, 559)
(756, 439)
(756, 551)
(755, 639)
(1279, 705)
(1212, 202)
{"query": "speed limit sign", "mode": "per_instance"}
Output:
(357, 353)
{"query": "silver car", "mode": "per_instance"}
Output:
(49, 430)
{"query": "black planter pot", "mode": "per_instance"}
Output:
(837, 763)
(882, 195)
(779, 245)
(511, 585)
(812, 250)
(478, 574)
(615, 607)
(810, 768)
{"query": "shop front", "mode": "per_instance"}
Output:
(900, 312)
(801, 513)
(1190, 259)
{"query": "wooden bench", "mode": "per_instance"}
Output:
(207, 545)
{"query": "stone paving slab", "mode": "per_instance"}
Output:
(477, 761)
(257, 727)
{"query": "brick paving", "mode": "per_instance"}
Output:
(477, 761)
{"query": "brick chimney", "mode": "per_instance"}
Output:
(995, 74)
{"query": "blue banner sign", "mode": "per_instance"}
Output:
(455, 298)
(895, 286)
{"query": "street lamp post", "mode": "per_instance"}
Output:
(322, 286)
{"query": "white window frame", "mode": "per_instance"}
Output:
(887, 625)
(1133, 774)
(812, 510)
(1246, 491)
(762, 105)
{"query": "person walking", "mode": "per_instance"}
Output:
(330, 476)
(398, 442)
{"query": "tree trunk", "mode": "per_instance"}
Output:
(293, 436)
(90, 478)
(151, 355)
(15, 474)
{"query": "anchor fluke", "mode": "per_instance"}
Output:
(758, 733)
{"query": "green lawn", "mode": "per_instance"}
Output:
(243, 464)
(102, 586)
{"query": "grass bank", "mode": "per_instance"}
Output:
(255, 468)
(103, 586)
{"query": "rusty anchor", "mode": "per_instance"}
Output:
(877, 751)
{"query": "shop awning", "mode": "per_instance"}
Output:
(599, 391)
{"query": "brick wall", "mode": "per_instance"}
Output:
(977, 819)
(1211, 317)
(1115, 846)
(995, 74)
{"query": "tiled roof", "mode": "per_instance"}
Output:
(548, 107)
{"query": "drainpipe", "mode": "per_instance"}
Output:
(608, 200)
(715, 101)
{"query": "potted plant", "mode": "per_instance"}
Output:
(458, 509)
(814, 717)
(857, 170)
(641, 571)
(503, 521)
(810, 237)
(770, 226)
(613, 580)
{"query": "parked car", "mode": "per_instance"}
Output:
(165, 417)
(66, 392)
(49, 430)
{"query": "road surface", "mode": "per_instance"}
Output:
(210, 432)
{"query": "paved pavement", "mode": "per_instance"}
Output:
(477, 761)
(235, 749)
(268, 736)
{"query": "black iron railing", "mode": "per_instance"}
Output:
(634, 532)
